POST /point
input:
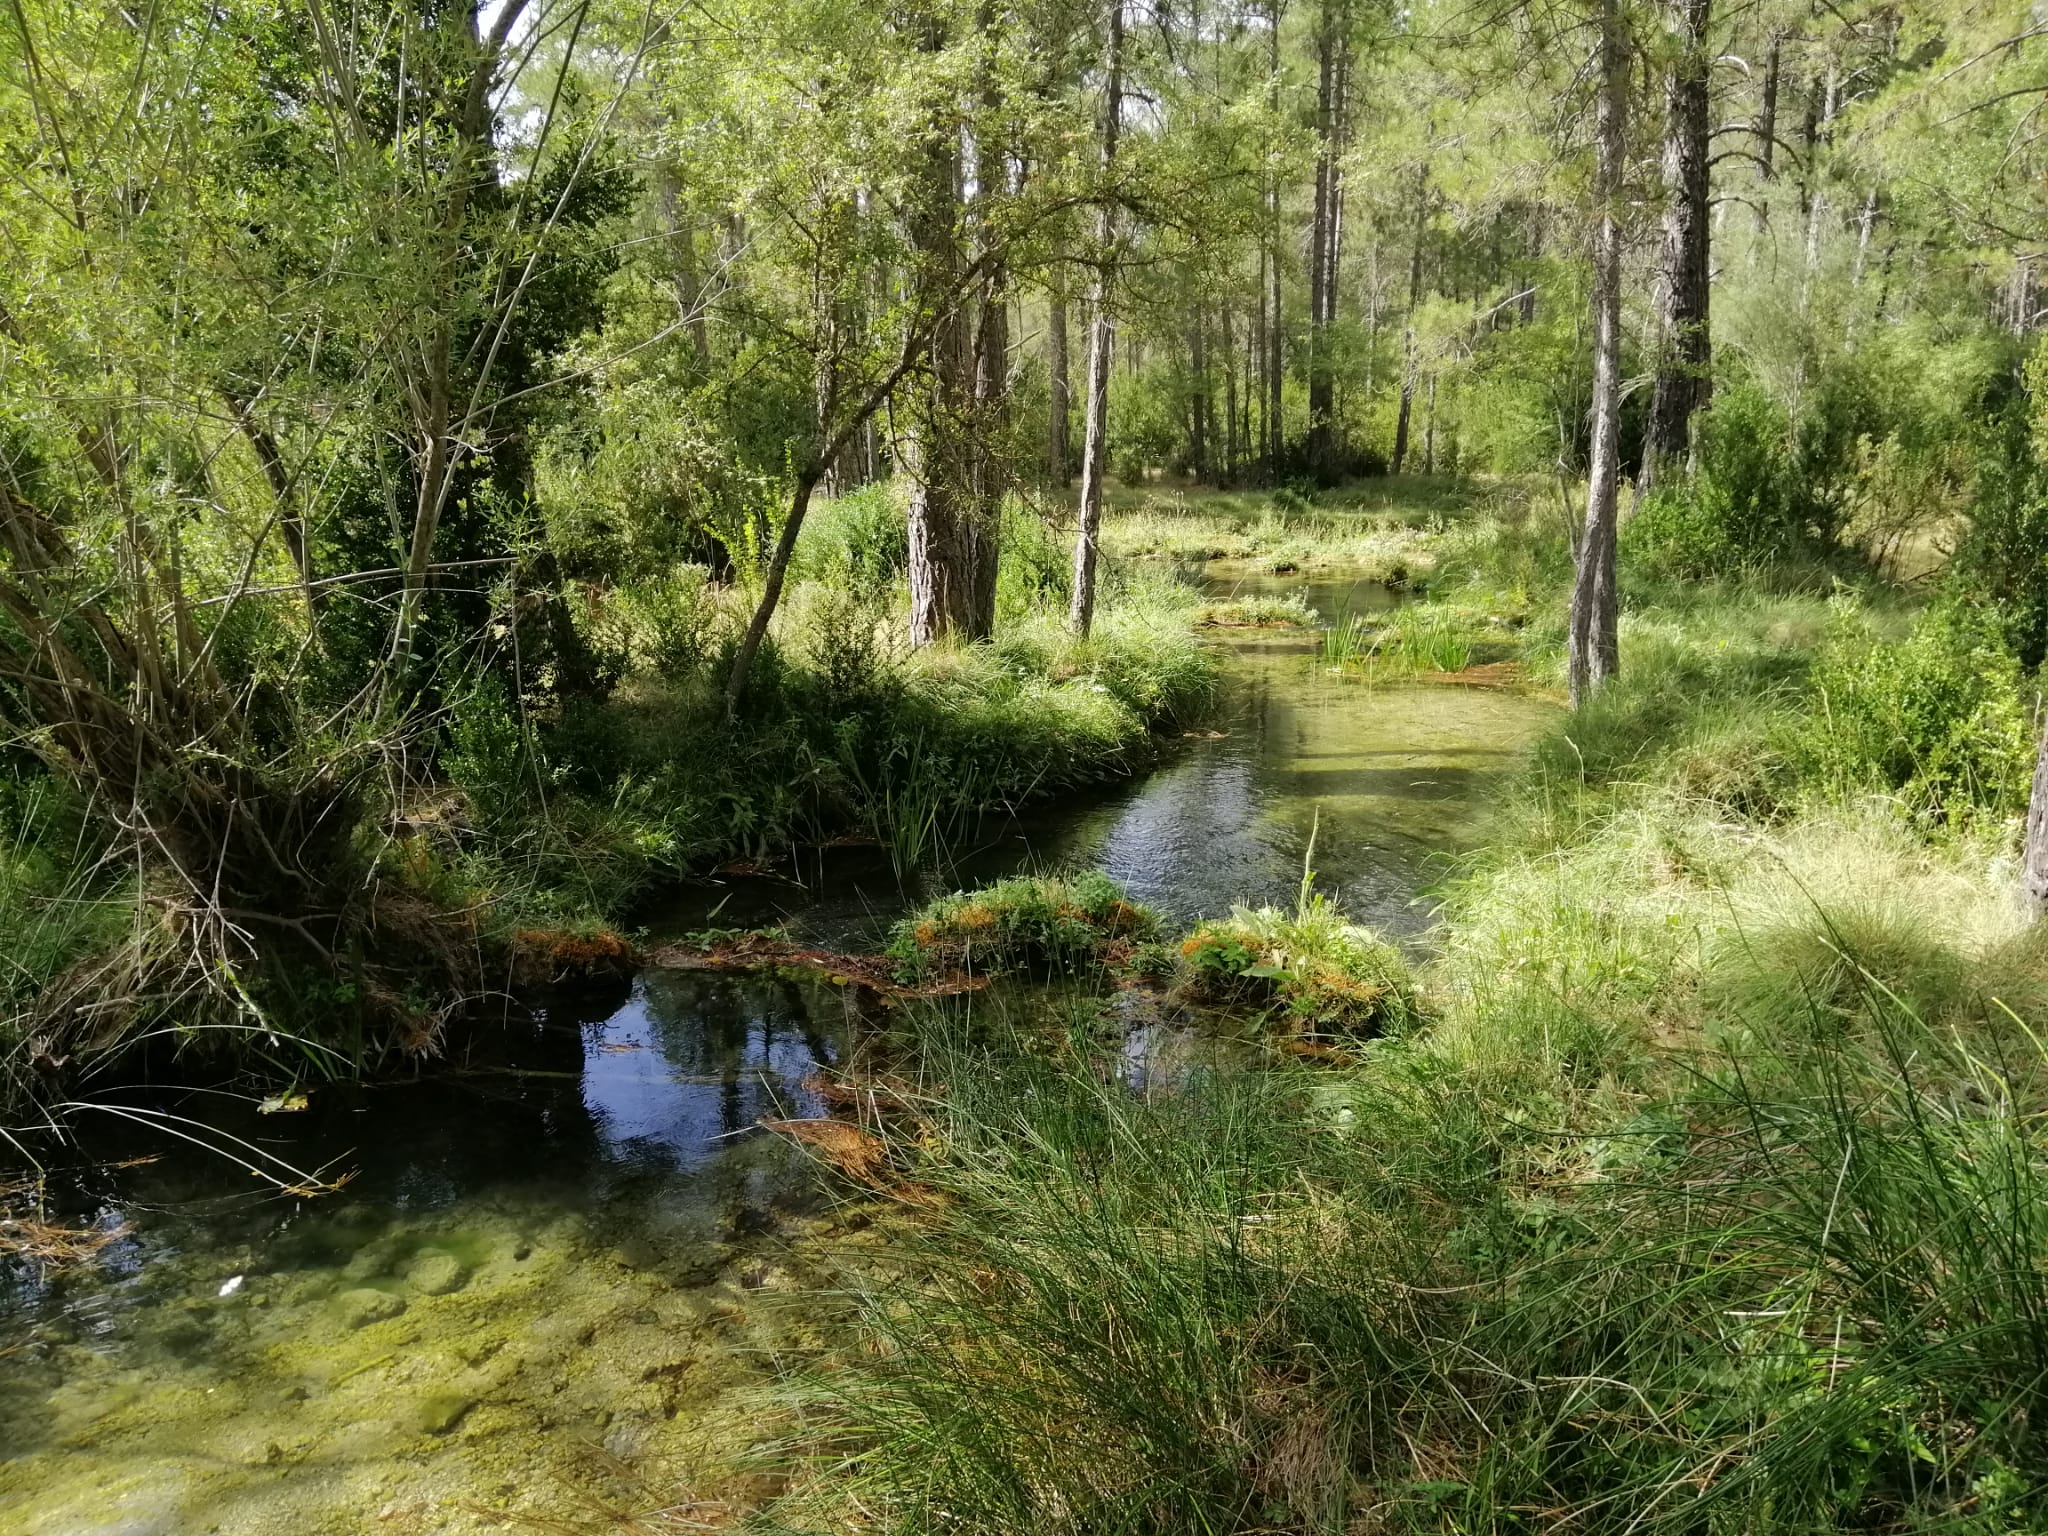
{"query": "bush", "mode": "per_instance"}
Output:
(2002, 557)
(1939, 718)
(1741, 506)
(859, 541)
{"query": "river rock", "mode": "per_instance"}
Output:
(439, 1412)
(361, 1308)
(436, 1274)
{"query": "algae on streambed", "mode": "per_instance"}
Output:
(552, 1290)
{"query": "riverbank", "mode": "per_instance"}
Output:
(1705, 1192)
(543, 833)
(1670, 1162)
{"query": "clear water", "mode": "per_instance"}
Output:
(565, 1263)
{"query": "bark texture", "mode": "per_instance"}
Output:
(1594, 650)
(2035, 864)
(1101, 340)
(1408, 358)
(1332, 68)
(1683, 289)
(1059, 453)
(936, 449)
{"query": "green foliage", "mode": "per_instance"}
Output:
(2002, 556)
(58, 906)
(1262, 612)
(488, 742)
(1743, 506)
(859, 541)
(1940, 718)
(1420, 638)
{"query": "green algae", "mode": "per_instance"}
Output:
(544, 1387)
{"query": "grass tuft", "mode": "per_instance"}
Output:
(1064, 923)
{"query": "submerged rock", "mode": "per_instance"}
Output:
(439, 1413)
(360, 1308)
(436, 1274)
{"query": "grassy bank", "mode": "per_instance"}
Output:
(536, 821)
(1704, 1192)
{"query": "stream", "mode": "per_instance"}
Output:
(551, 1285)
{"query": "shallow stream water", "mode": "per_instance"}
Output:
(562, 1266)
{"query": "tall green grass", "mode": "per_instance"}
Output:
(1800, 1289)
(1708, 1194)
(1404, 641)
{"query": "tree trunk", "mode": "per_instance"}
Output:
(936, 448)
(1257, 440)
(684, 279)
(1101, 339)
(1594, 651)
(298, 539)
(1275, 353)
(1227, 474)
(1059, 455)
(1321, 380)
(1684, 340)
(1767, 130)
(991, 416)
(2034, 864)
(1429, 429)
(1198, 416)
(1408, 336)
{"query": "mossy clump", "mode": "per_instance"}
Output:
(1258, 612)
(1312, 972)
(1065, 923)
(543, 955)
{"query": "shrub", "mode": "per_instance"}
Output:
(1741, 505)
(1939, 718)
(859, 541)
(2002, 556)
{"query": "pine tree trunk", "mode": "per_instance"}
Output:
(1228, 473)
(1767, 131)
(2034, 868)
(1060, 409)
(936, 450)
(1275, 353)
(991, 417)
(1408, 337)
(1429, 429)
(1321, 381)
(1594, 651)
(1684, 340)
(1101, 341)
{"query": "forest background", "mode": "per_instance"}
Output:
(464, 468)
